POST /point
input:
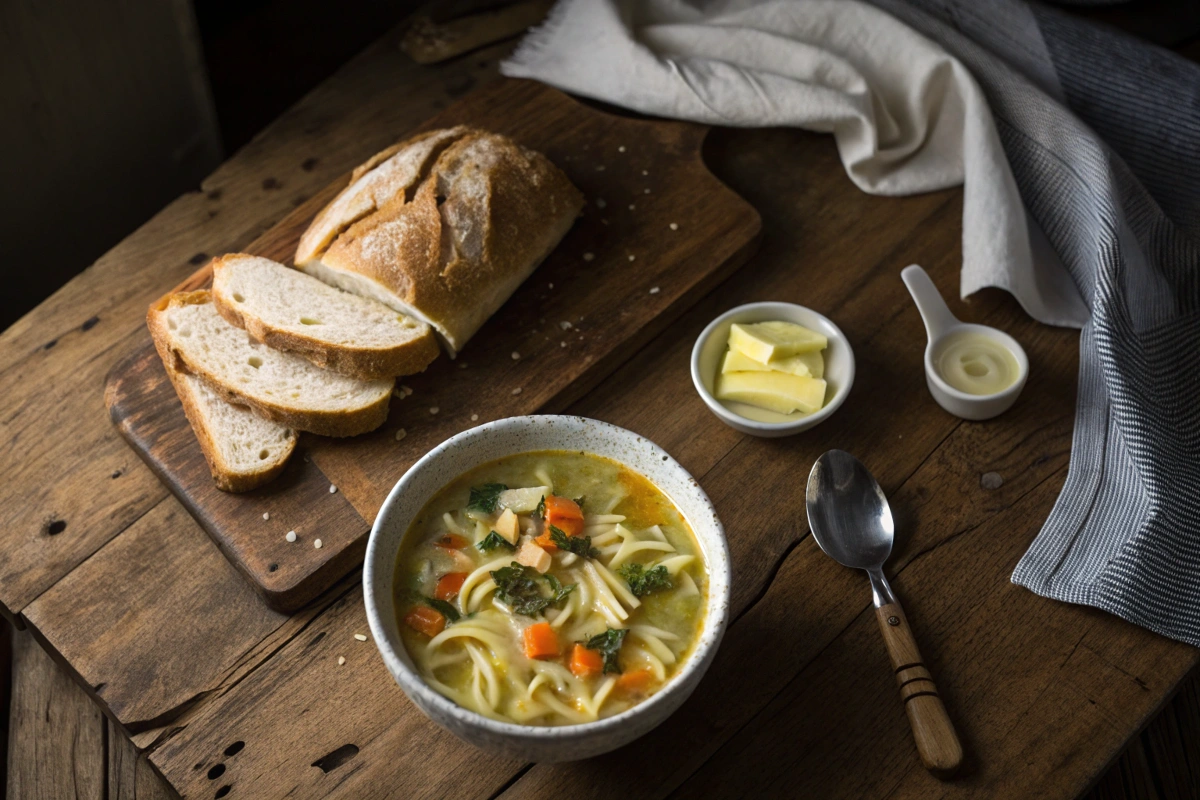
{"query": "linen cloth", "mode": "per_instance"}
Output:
(1079, 152)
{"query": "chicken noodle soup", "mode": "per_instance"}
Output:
(549, 588)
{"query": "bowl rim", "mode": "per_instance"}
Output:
(737, 420)
(411, 682)
(1008, 341)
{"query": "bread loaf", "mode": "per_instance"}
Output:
(279, 386)
(290, 311)
(443, 227)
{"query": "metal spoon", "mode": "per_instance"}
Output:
(851, 521)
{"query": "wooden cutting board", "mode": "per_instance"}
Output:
(658, 232)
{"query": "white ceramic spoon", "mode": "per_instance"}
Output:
(941, 323)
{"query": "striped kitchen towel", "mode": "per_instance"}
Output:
(1081, 174)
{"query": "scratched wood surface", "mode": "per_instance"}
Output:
(1045, 695)
(570, 324)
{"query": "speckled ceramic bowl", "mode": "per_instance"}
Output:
(518, 435)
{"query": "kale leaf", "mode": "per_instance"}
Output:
(517, 586)
(541, 508)
(608, 644)
(643, 581)
(579, 545)
(492, 541)
(445, 609)
(484, 498)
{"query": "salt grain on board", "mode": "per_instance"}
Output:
(474, 418)
(517, 390)
(317, 543)
(588, 256)
(291, 536)
(621, 149)
(433, 409)
(400, 434)
(601, 203)
(341, 660)
(655, 290)
(266, 515)
(674, 226)
(362, 637)
(332, 489)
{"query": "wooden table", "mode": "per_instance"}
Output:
(119, 585)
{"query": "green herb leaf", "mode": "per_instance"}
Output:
(541, 508)
(484, 498)
(492, 541)
(579, 501)
(643, 581)
(608, 644)
(518, 587)
(445, 609)
(560, 591)
(579, 545)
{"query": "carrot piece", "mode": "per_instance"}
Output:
(448, 585)
(452, 541)
(564, 514)
(540, 641)
(545, 542)
(585, 663)
(426, 620)
(635, 681)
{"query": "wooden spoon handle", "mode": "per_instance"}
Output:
(936, 740)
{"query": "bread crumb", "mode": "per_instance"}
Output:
(474, 418)
(601, 203)
(565, 325)
(332, 489)
(645, 172)
(405, 391)
(266, 515)
(434, 409)
(291, 536)
(362, 637)
(621, 149)
(400, 434)
(341, 660)
(517, 390)
(654, 290)
(517, 356)
(551, 285)
(632, 257)
(674, 226)
(588, 256)
(632, 207)
(317, 543)
(646, 191)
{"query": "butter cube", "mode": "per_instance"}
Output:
(809, 365)
(768, 341)
(774, 391)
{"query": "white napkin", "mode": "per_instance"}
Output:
(907, 117)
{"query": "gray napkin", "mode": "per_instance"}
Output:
(1102, 138)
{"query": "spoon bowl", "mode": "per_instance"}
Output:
(848, 513)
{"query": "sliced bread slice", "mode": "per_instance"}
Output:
(289, 310)
(279, 386)
(242, 449)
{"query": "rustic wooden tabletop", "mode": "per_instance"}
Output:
(208, 688)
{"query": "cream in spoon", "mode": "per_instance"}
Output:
(974, 363)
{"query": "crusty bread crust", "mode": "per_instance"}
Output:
(356, 361)
(452, 248)
(324, 423)
(224, 475)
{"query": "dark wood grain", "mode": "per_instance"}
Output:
(569, 326)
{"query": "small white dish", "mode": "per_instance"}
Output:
(507, 437)
(710, 347)
(940, 323)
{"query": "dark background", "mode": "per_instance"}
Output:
(113, 109)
